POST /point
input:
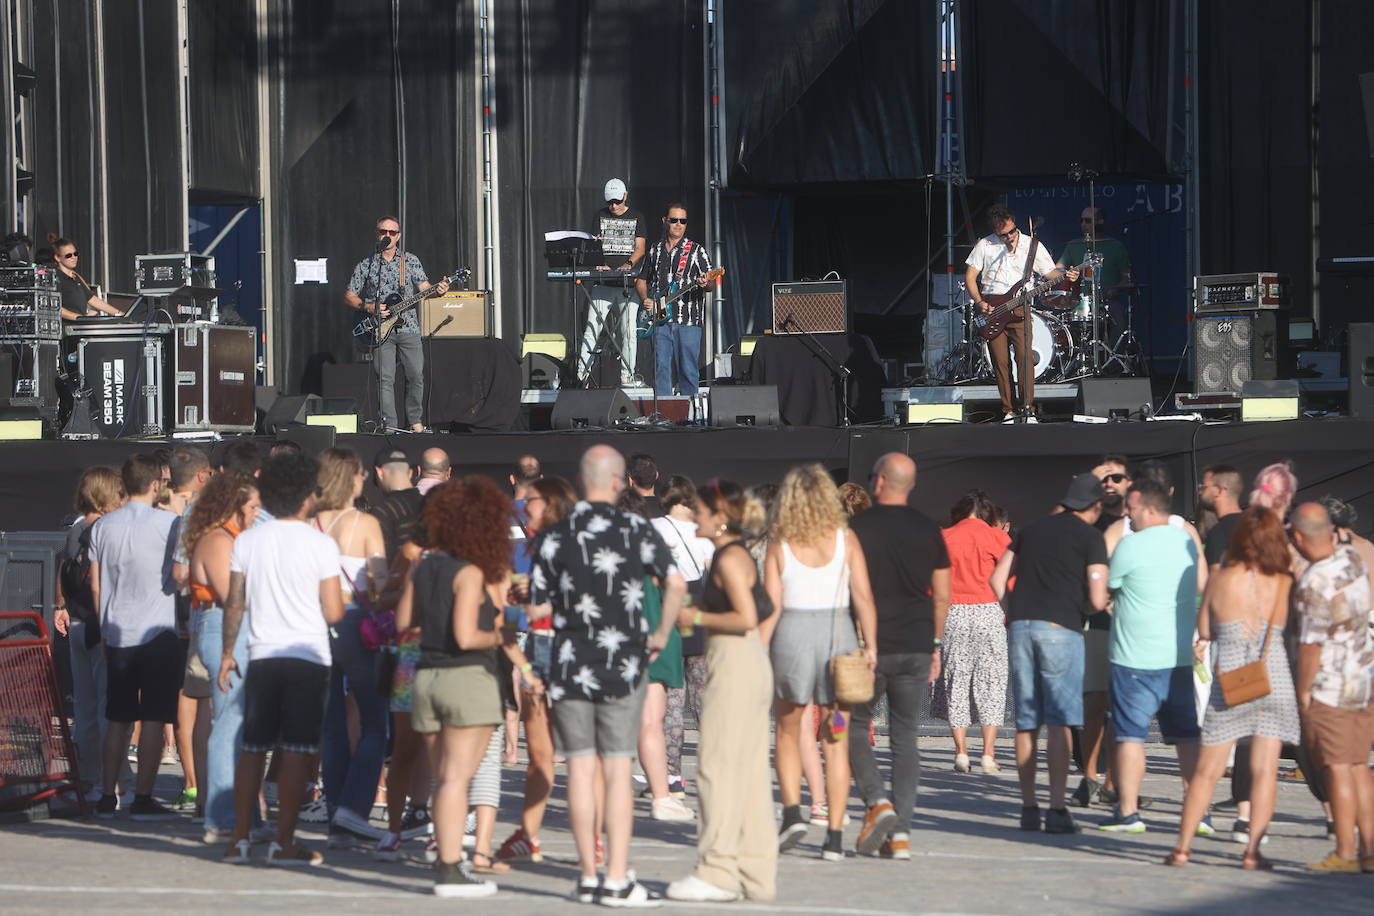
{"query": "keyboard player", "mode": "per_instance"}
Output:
(612, 314)
(79, 300)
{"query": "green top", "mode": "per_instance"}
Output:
(1116, 260)
(667, 668)
(1154, 575)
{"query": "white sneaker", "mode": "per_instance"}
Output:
(632, 896)
(1008, 418)
(1030, 418)
(694, 889)
(990, 765)
(670, 809)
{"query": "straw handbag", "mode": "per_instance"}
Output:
(849, 672)
(1249, 681)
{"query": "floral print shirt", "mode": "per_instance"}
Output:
(591, 568)
(1333, 607)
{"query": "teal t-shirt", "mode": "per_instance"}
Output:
(1154, 575)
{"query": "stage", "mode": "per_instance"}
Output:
(1024, 468)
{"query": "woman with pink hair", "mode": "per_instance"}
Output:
(1275, 487)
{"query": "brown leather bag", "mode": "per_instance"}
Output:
(1250, 681)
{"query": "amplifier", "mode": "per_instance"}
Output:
(215, 368)
(159, 274)
(1240, 292)
(1231, 349)
(35, 313)
(460, 313)
(125, 376)
(28, 276)
(817, 307)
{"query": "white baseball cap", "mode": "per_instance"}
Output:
(615, 189)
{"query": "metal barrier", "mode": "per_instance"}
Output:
(37, 757)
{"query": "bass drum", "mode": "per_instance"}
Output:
(1051, 348)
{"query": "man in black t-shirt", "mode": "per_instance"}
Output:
(613, 310)
(398, 510)
(1060, 565)
(1220, 492)
(908, 567)
(643, 473)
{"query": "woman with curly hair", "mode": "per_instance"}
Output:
(227, 507)
(553, 500)
(814, 571)
(454, 595)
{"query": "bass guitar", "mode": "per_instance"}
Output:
(1008, 306)
(371, 330)
(663, 310)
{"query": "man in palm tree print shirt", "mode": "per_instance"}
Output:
(588, 574)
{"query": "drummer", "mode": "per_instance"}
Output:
(1116, 260)
(78, 298)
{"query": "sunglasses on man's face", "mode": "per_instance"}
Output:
(70, 254)
(1007, 236)
(1114, 478)
(388, 231)
(674, 219)
(615, 203)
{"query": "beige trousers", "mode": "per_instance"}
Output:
(737, 848)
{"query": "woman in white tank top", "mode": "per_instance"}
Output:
(814, 569)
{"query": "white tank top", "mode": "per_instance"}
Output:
(353, 575)
(819, 588)
(1176, 521)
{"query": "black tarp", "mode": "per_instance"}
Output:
(589, 91)
(66, 178)
(146, 199)
(223, 103)
(848, 94)
(1049, 82)
(372, 114)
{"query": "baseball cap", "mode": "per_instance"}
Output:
(391, 455)
(1084, 490)
(615, 189)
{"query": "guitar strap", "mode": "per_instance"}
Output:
(1030, 258)
(682, 261)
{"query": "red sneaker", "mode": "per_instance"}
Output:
(520, 847)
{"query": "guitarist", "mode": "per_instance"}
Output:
(997, 263)
(676, 261)
(392, 270)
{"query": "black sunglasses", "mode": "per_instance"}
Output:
(674, 219)
(1114, 478)
(615, 203)
(70, 254)
(388, 231)
(1010, 234)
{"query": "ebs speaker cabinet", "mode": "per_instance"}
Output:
(1233, 348)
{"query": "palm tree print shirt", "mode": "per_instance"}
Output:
(591, 568)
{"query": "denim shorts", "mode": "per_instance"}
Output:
(1139, 695)
(1046, 662)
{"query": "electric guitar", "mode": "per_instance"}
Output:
(1008, 306)
(371, 330)
(663, 310)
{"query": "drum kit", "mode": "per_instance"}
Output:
(1071, 336)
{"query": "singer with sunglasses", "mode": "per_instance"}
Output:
(997, 263)
(390, 269)
(675, 262)
(79, 300)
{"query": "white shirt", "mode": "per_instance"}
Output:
(691, 554)
(133, 547)
(1000, 268)
(283, 563)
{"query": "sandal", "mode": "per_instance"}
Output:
(484, 864)
(1256, 862)
(1177, 858)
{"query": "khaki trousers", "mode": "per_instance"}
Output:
(1001, 366)
(737, 848)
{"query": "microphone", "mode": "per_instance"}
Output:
(440, 326)
(383, 243)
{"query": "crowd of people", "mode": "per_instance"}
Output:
(324, 648)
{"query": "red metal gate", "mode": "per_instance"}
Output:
(36, 752)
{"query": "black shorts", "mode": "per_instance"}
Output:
(284, 705)
(142, 682)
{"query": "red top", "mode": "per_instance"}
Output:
(974, 548)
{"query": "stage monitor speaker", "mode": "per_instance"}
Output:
(311, 439)
(1231, 349)
(460, 313)
(289, 409)
(744, 405)
(1115, 398)
(1360, 368)
(817, 307)
(539, 370)
(591, 408)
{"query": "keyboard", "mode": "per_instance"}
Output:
(615, 274)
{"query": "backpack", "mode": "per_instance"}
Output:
(75, 575)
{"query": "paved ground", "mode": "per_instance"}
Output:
(968, 858)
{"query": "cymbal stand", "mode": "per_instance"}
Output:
(1125, 352)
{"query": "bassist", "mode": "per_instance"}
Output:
(390, 272)
(997, 264)
(671, 264)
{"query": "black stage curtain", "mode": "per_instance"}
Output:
(373, 103)
(66, 178)
(1049, 82)
(146, 195)
(223, 103)
(848, 93)
(590, 91)
(803, 368)
(1254, 159)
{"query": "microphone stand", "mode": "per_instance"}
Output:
(836, 368)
